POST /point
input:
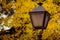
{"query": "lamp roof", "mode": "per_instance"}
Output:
(39, 8)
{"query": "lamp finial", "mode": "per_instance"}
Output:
(40, 4)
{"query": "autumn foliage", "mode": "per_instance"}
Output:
(20, 20)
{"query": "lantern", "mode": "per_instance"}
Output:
(39, 17)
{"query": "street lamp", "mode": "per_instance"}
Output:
(39, 17)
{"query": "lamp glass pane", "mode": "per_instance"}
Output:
(37, 19)
(46, 20)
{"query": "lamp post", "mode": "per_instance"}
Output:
(39, 18)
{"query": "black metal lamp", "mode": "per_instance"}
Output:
(39, 17)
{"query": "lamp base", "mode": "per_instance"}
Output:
(39, 27)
